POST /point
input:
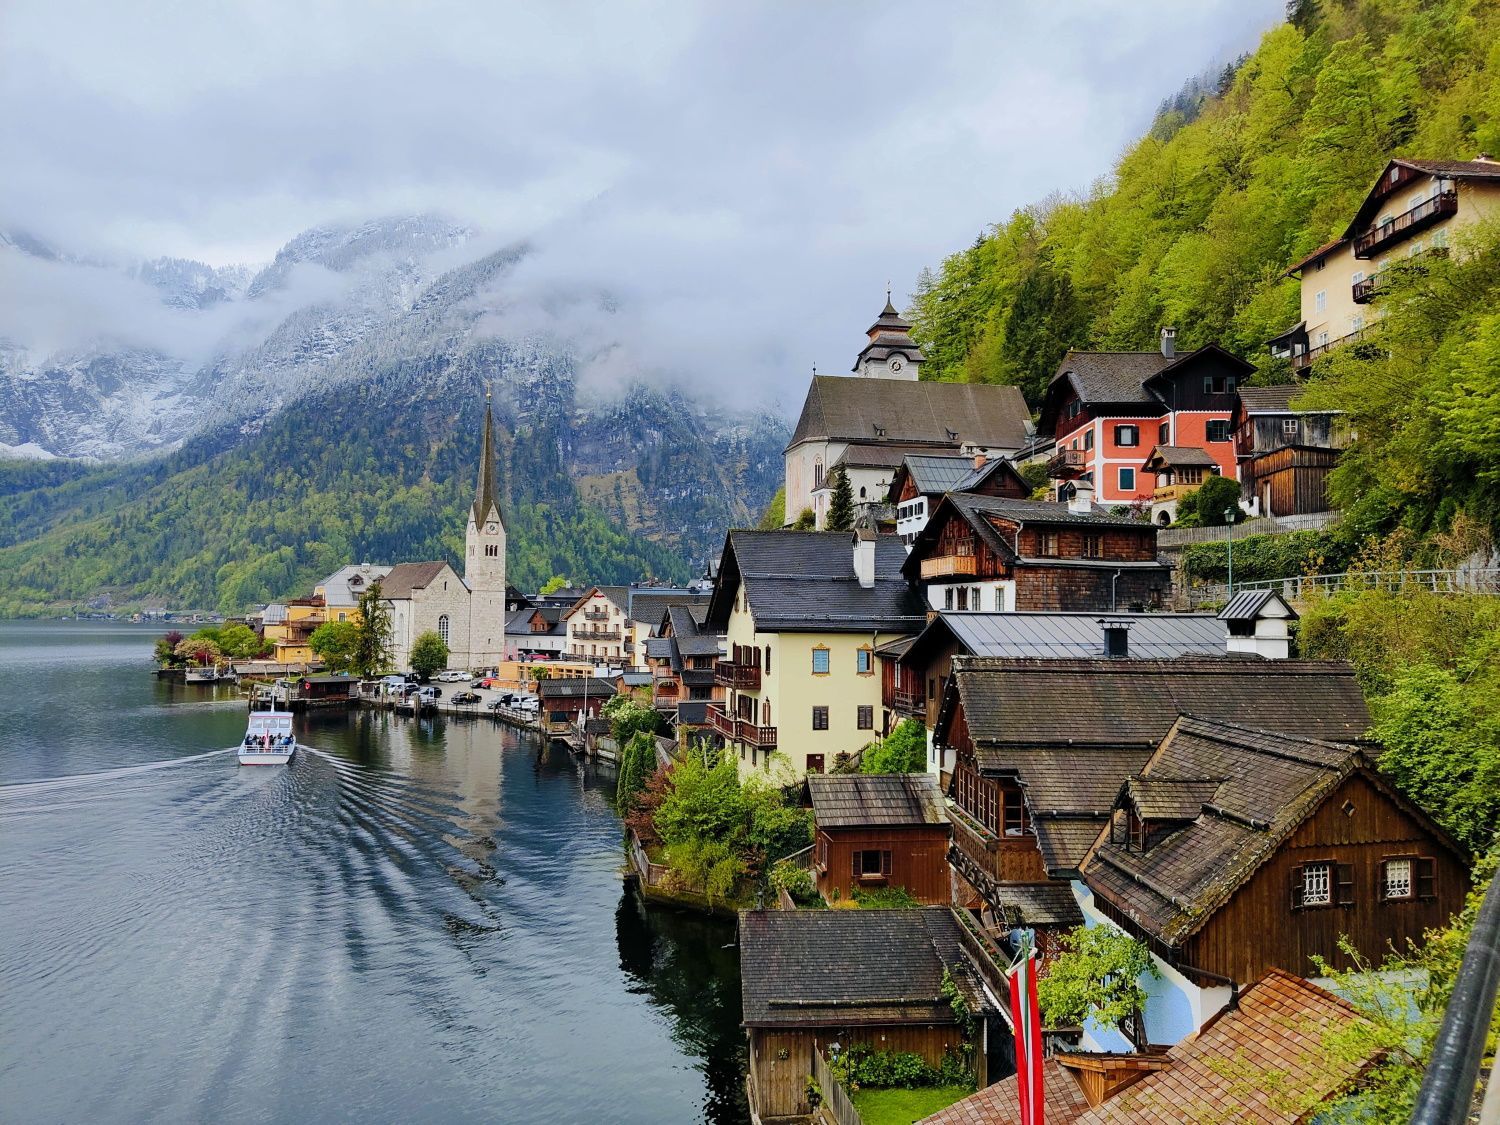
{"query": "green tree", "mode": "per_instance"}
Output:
(554, 584)
(335, 643)
(637, 764)
(372, 649)
(1206, 506)
(1098, 977)
(774, 516)
(805, 521)
(1045, 320)
(166, 649)
(904, 750)
(429, 654)
(841, 502)
(629, 717)
(199, 649)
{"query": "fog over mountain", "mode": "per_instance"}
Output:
(709, 197)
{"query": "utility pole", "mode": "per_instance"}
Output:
(1229, 514)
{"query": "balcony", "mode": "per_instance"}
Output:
(906, 701)
(722, 724)
(1364, 291)
(1406, 224)
(596, 615)
(1168, 493)
(741, 730)
(596, 634)
(1066, 463)
(743, 677)
(950, 566)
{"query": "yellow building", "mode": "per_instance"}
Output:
(289, 626)
(1415, 208)
(803, 613)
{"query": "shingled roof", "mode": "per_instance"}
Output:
(575, 687)
(1073, 731)
(1000, 1104)
(403, 578)
(804, 581)
(843, 968)
(1269, 400)
(1264, 1061)
(1179, 457)
(844, 408)
(888, 800)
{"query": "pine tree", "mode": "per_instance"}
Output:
(841, 506)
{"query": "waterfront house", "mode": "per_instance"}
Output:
(870, 420)
(802, 614)
(288, 626)
(645, 608)
(1041, 749)
(564, 700)
(813, 979)
(993, 553)
(1228, 830)
(1263, 1060)
(1106, 409)
(873, 831)
(535, 632)
(342, 589)
(1285, 455)
(598, 627)
(1415, 207)
(921, 480)
(682, 659)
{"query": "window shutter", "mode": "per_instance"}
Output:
(1344, 891)
(1424, 869)
(1297, 888)
(857, 857)
(885, 863)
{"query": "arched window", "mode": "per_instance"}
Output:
(443, 627)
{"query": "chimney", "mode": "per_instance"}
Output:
(1116, 638)
(864, 557)
(1082, 501)
(981, 459)
(1169, 342)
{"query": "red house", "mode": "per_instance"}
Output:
(1108, 410)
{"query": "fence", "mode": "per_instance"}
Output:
(834, 1096)
(1463, 580)
(651, 874)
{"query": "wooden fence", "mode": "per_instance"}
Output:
(651, 874)
(835, 1098)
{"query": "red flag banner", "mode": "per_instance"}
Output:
(1028, 1023)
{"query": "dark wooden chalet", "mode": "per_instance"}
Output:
(1008, 555)
(810, 978)
(1042, 747)
(1229, 830)
(880, 830)
(921, 480)
(1285, 455)
(563, 700)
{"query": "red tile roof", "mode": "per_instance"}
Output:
(1000, 1104)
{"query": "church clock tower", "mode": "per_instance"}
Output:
(891, 353)
(484, 558)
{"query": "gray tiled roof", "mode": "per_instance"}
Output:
(858, 800)
(648, 606)
(936, 474)
(1460, 169)
(842, 408)
(1038, 904)
(1180, 457)
(875, 456)
(574, 688)
(841, 968)
(1112, 377)
(1266, 785)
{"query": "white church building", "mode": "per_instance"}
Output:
(468, 611)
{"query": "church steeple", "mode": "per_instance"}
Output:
(485, 500)
(891, 352)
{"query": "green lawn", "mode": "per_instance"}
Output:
(902, 1107)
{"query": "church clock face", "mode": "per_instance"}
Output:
(895, 363)
(491, 527)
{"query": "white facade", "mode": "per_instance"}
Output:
(973, 597)
(599, 630)
(441, 607)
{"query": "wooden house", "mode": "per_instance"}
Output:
(564, 700)
(812, 978)
(995, 554)
(681, 658)
(880, 830)
(1179, 471)
(1105, 409)
(922, 479)
(1285, 455)
(1229, 830)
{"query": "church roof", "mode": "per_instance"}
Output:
(485, 498)
(404, 578)
(841, 408)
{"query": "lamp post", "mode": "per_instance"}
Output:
(1229, 514)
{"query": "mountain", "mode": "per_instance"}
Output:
(335, 416)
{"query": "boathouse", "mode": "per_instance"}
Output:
(880, 830)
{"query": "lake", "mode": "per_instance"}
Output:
(421, 921)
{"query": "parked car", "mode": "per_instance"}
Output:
(463, 697)
(452, 676)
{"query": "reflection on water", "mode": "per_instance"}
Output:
(422, 921)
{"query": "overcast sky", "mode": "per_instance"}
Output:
(745, 177)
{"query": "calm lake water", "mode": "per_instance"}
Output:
(423, 922)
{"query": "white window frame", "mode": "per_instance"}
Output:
(442, 628)
(1320, 300)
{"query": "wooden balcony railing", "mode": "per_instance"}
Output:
(597, 634)
(741, 730)
(1406, 224)
(908, 701)
(1066, 463)
(722, 724)
(1312, 355)
(950, 565)
(1364, 291)
(1169, 492)
(744, 677)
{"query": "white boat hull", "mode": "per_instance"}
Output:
(268, 739)
(266, 757)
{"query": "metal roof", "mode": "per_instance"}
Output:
(1053, 635)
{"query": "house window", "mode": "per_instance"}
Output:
(1127, 480)
(866, 718)
(443, 627)
(1320, 300)
(820, 661)
(947, 597)
(1163, 433)
(1088, 440)
(1127, 435)
(963, 597)
(1356, 323)
(818, 474)
(1356, 277)
(1218, 429)
(1322, 340)
(343, 617)
(1075, 408)
(768, 660)
(820, 718)
(1048, 543)
(1317, 884)
(1093, 546)
(815, 765)
(864, 662)
(1289, 427)
(1014, 821)
(871, 863)
(1396, 882)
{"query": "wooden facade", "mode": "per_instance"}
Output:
(1290, 481)
(1359, 825)
(913, 857)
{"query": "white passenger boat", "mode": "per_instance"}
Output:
(268, 739)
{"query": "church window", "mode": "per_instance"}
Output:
(443, 627)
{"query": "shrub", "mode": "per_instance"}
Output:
(904, 750)
(1264, 557)
(862, 1065)
(1205, 507)
(884, 898)
(795, 881)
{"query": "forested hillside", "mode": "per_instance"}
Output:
(1233, 183)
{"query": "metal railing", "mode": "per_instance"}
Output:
(1447, 1093)
(1461, 580)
